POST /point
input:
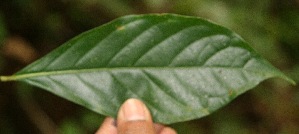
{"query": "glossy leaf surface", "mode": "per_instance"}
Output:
(181, 67)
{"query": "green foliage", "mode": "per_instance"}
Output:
(71, 127)
(82, 123)
(182, 67)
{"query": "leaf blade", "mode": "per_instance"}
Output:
(182, 67)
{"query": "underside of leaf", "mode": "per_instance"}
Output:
(181, 67)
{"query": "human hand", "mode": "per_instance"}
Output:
(133, 118)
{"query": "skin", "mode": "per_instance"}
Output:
(133, 118)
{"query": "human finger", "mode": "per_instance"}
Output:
(134, 118)
(161, 129)
(108, 127)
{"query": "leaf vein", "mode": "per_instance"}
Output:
(214, 53)
(132, 92)
(161, 89)
(120, 51)
(188, 45)
(158, 44)
(96, 44)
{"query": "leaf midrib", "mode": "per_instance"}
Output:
(77, 71)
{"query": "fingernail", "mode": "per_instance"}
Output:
(133, 110)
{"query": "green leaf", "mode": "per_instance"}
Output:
(181, 67)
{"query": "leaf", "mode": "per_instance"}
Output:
(181, 67)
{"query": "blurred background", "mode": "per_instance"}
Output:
(29, 29)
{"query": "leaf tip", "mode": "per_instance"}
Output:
(292, 82)
(288, 79)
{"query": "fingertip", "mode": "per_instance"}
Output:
(168, 130)
(134, 118)
(133, 110)
(108, 126)
(161, 129)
